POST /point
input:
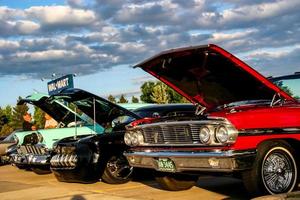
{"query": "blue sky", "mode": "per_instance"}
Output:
(100, 40)
(29, 3)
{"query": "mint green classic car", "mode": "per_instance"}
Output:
(34, 148)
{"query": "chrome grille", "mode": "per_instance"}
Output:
(180, 133)
(172, 134)
(64, 161)
(32, 149)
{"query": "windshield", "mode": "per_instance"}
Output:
(94, 107)
(290, 84)
(248, 103)
(104, 113)
(10, 138)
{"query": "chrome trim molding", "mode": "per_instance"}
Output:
(214, 161)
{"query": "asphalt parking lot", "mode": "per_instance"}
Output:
(19, 184)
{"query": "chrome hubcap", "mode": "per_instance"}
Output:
(278, 172)
(119, 167)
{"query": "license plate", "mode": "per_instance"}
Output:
(166, 165)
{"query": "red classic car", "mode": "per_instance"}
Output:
(244, 124)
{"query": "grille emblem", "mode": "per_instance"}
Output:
(186, 132)
(155, 137)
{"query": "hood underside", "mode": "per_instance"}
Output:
(55, 109)
(210, 76)
(95, 107)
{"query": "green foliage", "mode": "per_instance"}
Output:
(284, 87)
(159, 94)
(149, 96)
(111, 98)
(7, 111)
(39, 117)
(6, 120)
(6, 129)
(147, 89)
(17, 116)
(134, 99)
(3, 119)
(123, 99)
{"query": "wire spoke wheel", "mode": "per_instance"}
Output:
(274, 169)
(117, 170)
(278, 171)
(119, 167)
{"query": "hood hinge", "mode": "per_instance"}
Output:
(276, 99)
(199, 109)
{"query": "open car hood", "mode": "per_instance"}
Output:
(55, 109)
(210, 76)
(104, 110)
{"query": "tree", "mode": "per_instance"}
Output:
(159, 94)
(6, 130)
(17, 116)
(111, 98)
(8, 112)
(134, 99)
(39, 117)
(123, 99)
(284, 87)
(174, 96)
(147, 92)
(5, 119)
(147, 89)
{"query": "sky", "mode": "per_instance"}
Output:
(100, 40)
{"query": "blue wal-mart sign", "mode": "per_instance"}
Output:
(55, 86)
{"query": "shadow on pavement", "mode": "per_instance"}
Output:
(78, 197)
(228, 186)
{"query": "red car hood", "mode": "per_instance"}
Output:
(210, 76)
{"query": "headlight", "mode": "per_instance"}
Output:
(204, 134)
(137, 138)
(127, 138)
(222, 134)
(134, 138)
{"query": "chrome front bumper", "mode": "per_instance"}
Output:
(31, 159)
(213, 161)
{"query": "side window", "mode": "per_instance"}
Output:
(124, 119)
(290, 86)
(118, 123)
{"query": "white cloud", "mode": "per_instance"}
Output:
(6, 44)
(140, 80)
(259, 11)
(149, 12)
(10, 13)
(84, 49)
(87, 37)
(61, 15)
(43, 55)
(75, 3)
(220, 37)
(132, 47)
(26, 27)
(271, 53)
